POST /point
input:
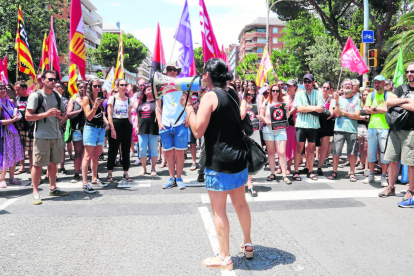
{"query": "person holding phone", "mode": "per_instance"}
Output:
(11, 149)
(93, 133)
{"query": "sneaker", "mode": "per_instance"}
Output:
(200, 177)
(366, 172)
(88, 189)
(407, 204)
(75, 178)
(387, 192)
(15, 182)
(57, 192)
(36, 199)
(180, 183)
(3, 184)
(369, 179)
(137, 162)
(193, 167)
(384, 182)
(63, 171)
(170, 184)
(99, 183)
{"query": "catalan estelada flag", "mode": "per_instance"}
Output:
(265, 67)
(73, 79)
(44, 62)
(119, 71)
(77, 50)
(23, 49)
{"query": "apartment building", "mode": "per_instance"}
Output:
(233, 52)
(92, 23)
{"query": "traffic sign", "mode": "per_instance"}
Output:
(367, 36)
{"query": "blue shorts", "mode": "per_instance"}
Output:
(174, 138)
(219, 182)
(93, 136)
(148, 141)
(77, 135)
(274, 135)
(376, 137)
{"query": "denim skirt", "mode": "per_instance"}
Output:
(219, 182)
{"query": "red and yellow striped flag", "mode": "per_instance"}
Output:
(119, 71)
(23, 49)
(73, 79)
(265, 67)
(44, 62)
(77, 47)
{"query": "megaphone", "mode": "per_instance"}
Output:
(162, 84)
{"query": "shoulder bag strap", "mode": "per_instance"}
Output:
(307, 96)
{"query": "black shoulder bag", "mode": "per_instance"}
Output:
(397, 116)
(256, 157)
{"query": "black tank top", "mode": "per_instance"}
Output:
(225, 149)
(98, 118)
(79, 121)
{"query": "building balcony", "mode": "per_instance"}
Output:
(254, 34)
(88, 17)
(144, 69)
(88, 4)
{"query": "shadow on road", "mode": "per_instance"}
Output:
(264, 258)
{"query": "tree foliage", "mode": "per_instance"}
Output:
(91, 59)
(37, 20)
(199, 61)
(134, 51)
(247, 67)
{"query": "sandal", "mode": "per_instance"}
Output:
(297, 177)
(252, 192)
(225, 264)
(127, 178)
(304, 171)
(361, 166)
(407, 198)
(352, 177)
(270, 178)
(142, 172)
(312, 176)
(333, 176)
(153, 172)
(279, 171)
(286, 180)
(287, 172)
(19, 172)
(319, 172)
(109, 178)
(247, 253)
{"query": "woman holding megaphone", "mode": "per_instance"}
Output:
(226, 157)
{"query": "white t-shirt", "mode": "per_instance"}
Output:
(120, 108)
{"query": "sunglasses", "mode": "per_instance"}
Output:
(250, 95)
(96, 86)
(327, 88)
(3, 88)
(51, 79)
(307, 81)
(123, 85)
(409, 71)
(58, 86)
(169, 69)
(275, 91)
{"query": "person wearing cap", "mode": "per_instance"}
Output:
(377, 128)
(307, 124)
(173, 134)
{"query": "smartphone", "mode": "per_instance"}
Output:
(100, 95)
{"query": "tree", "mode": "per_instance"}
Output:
(134, 51)
(37, 21)
(324, 58)
(281, 66)
(199, 61)
(91, 59)
(247, 67)
(100, 75)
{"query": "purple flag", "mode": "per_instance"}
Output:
(184, 37)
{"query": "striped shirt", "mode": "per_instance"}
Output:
(306, 120)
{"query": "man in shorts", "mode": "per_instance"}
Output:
(173, 134)
(307, 124)
(347, 110)
(27, 142)
(400, 145)
(48, 145)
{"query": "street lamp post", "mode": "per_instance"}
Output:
(267, 19)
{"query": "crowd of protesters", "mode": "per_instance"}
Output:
(130, 122)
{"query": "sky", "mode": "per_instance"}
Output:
(140, 17)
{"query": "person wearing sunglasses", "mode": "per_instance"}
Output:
(307, 124)
(93, 134)
(173, 134)
(292, 87)
(275, 139)
(48, 145)
(246, 109)
(120, 121)
(401, 143)
(61, 89)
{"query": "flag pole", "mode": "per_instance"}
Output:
(339, 81)
(17, 67)
(175, 40)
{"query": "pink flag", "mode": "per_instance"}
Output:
(351, 58)
(30, 89)
(3, 74)
(5, 67)
(210, 46)
(225, 57)
(53, 52)
(193, 71)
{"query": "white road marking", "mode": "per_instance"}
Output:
(8, 203)
(304, 195)
(212, 235)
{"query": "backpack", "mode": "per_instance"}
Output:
(397, 116)
(32, 124)
(373, 96)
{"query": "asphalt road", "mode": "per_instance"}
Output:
(309, 228)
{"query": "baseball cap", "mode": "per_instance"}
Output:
(379, 78)
(292, 82)
(309, 76)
